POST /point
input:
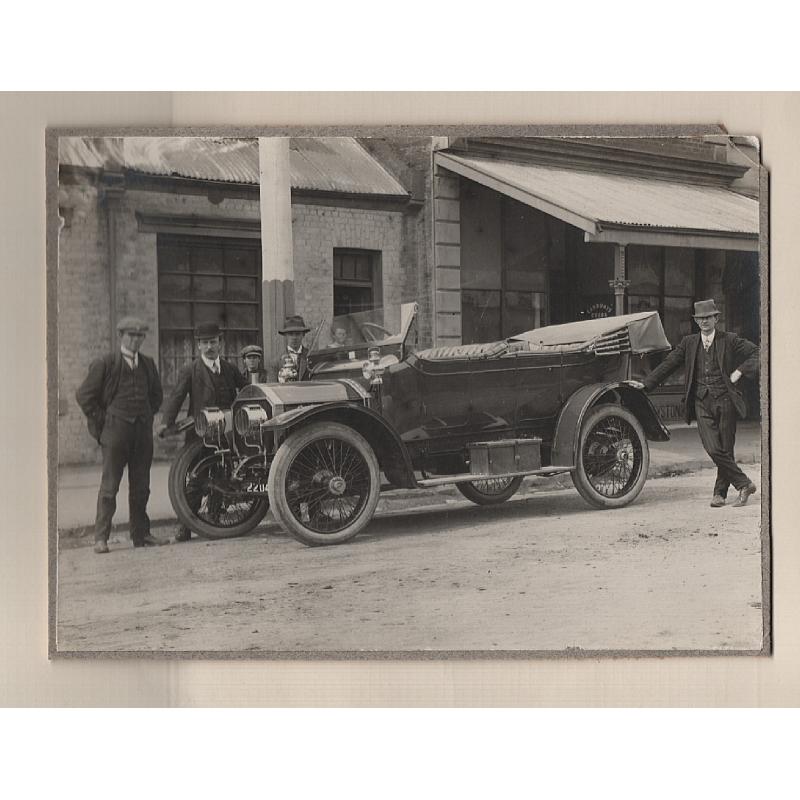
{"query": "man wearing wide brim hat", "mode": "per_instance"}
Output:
(119, 397)
(292, 365)
(252, 356)
(209, 380)
(713, 362)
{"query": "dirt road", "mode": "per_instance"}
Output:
(542, 572)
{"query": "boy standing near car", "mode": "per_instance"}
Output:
(253, 372)
(209, 380)
(119, 397)
(713, 362)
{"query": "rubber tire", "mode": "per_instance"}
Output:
(579, 478)
(282, 462)
(185, 460)
(471, 492)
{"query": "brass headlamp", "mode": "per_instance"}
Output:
(288, 370)
(373, 370)
(249, 419)
(211, 424)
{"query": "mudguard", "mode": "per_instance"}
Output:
(565, 440)
(388, 446)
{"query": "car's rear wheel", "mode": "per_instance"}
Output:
(613, 457)
(324, 483)
(202, 501)
(491, 491)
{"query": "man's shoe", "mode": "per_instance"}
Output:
(741, 500)
(149, 541)
(183, 535)
(717, 501)
(100, 547)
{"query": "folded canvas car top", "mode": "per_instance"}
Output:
(643, 331)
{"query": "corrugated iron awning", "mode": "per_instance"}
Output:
(332, 164)
(620, 208)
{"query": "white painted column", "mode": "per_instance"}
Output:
(277, 253)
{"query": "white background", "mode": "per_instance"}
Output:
(380, 753)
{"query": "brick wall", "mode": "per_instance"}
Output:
(84, 288)
(84, 318)
(318, 229)
(410, 160)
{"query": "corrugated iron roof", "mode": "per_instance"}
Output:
(617, 200)
(333, 164)
(339, 164)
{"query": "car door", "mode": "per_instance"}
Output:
(539, 392)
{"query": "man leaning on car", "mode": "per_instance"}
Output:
(713, 362)
(119, 397)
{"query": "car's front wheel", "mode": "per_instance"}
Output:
(203, 498)
(324, 483)
(613, 457)
(491, 491)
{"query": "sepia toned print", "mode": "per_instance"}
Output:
(463, 433)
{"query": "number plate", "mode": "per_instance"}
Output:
(255, 487)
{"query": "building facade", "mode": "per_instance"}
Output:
(532, 232)
(170, 230)
(491, 237)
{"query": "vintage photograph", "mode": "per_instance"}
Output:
(421, 395)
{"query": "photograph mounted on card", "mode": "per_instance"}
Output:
(422, 393)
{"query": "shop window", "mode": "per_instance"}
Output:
(206, 279)
(506, 253)
(663, 279)
(356, 280)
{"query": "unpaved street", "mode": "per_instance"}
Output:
(542, 572)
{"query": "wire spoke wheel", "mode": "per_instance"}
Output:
(491, 490)
(204, 498)
(324, 483)
(613, 457)
(215, 503)
(327, 485)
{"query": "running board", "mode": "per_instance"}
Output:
(468, 477)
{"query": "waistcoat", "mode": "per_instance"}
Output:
(224, 393)
(708, 377)
(131, 400)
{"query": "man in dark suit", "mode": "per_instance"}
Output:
(714, 361)
(208, 381)
(119, 397)
(293, 363)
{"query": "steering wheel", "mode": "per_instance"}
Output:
(369, 330)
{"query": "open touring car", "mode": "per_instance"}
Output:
(379, 414)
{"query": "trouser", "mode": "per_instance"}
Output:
(716, 423)
(125, 444)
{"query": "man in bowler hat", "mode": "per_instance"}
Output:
(208, 381)
(253, 371)
(293, 362)
(713, 361)
(119, 397)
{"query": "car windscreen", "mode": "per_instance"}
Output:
(376, 326)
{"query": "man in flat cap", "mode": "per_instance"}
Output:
(208, 381)
(293, 362)
(713, 361)
(253, 372)
(119, 397)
